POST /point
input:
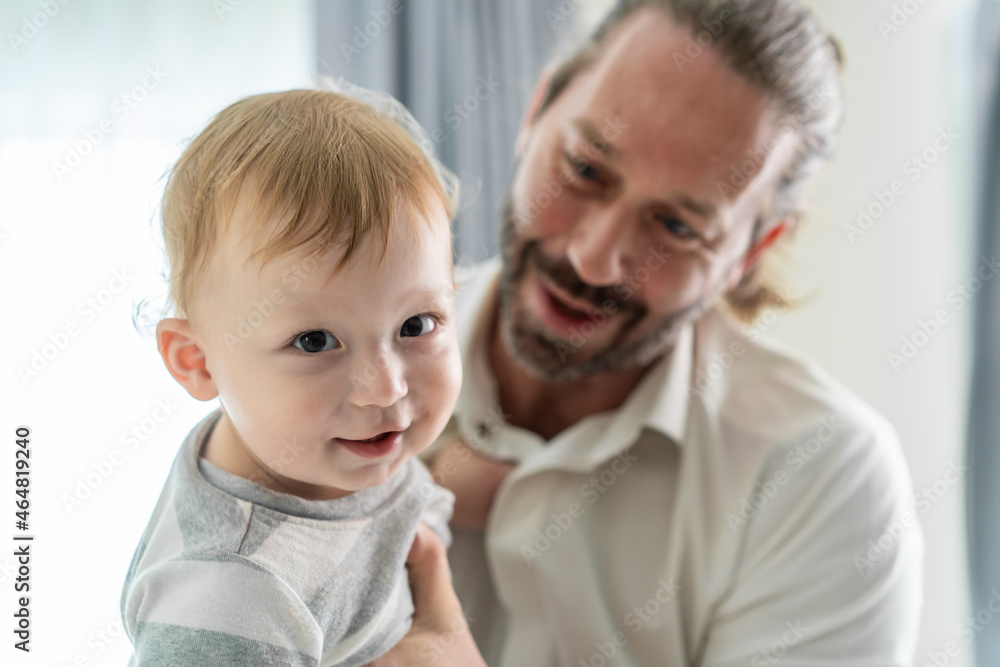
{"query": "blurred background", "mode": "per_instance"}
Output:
(97, 99)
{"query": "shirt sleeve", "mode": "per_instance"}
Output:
(439, 503)
(831, 570)
(220, 612)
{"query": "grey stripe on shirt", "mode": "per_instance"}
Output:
(228, 572)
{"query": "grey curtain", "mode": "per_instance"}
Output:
(983, 492)
(464, 68)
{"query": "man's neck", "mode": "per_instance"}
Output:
(548, 408)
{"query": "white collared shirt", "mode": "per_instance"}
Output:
(740, 508)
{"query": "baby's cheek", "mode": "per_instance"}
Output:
(444, 380)
(455, 368)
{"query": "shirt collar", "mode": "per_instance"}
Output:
(477, 410)
(659, 402)
(669, 383)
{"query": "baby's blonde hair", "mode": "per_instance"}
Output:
(332, 168)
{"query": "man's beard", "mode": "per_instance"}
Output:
(555, 359)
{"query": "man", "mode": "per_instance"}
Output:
(639, 482)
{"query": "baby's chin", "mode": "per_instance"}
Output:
(351, 466)
(365, 476)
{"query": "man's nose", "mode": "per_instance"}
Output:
(598, 246)
(378, 380)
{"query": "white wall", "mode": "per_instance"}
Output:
(902, 88)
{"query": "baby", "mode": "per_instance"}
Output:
(310, 256)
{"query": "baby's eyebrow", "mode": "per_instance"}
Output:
(441, 295)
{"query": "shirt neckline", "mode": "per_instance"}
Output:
(354, 506)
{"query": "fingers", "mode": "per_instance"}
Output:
(437, 606)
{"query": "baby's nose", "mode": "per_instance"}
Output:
(379, 382)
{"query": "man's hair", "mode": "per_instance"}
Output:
(776, 45)
(331, 167)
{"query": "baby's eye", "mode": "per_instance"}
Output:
(315, 341)
(418, 325)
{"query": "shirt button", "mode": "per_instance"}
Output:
(482, 432)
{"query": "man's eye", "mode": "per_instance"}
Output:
(315, 341)
(418, 325)
(582, 168)
(678, 228)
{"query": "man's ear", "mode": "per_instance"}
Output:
(757, 251)
(184, 358)
(528, 121)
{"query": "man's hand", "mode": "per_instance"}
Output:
(440, 636)
(474, 479)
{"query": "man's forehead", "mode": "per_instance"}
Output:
(704, 107)
(676, 133)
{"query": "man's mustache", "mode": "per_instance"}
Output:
(562, 275)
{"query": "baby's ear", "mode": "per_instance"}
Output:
(184, 358)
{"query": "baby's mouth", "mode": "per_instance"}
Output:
(376, 446)
(377, 438)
